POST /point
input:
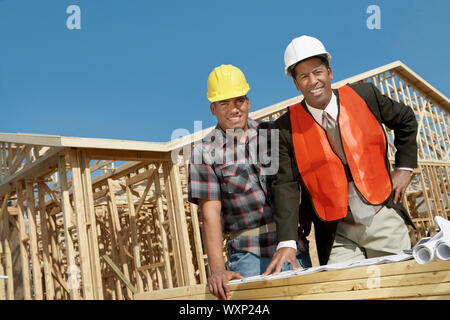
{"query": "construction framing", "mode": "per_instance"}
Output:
(86, 218)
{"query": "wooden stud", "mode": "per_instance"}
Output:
(80, 215)
(134, 239)
(67, 214)
(164, 241)
(46, 257)
(23, 238)
(34, 251)
(7, 249)
(117, 230)
(186, 255)
(92, 235)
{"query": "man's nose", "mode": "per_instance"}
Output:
(234, 106)
(312, 79)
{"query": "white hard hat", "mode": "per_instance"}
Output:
(302, 48)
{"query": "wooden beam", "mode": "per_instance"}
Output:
(80, 215)
(127, 155)
(38, 169)
(91, 227)
(67, 215)
(46, 257)
(120, 274)
(34, 250)
(7, 249)
(23, 238)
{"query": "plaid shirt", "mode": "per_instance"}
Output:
(222, 169)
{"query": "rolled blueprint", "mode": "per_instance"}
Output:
(423, 251)
(439, 245)
(443, 245)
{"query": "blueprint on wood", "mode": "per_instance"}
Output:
(335, 266)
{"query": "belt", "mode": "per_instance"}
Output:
(271, 227)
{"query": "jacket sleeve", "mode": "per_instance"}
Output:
(285, 186)
(398, 117)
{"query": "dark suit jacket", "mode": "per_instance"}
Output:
(292, 204)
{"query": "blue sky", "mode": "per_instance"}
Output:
(137, 69)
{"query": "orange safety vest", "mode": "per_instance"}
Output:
(322, 171)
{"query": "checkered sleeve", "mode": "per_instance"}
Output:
(203, 182)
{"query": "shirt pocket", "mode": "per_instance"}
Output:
(235, 178)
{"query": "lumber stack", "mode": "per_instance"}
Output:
(400, 280)
(85, 218)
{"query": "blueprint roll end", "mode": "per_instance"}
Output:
(443, 251)
(423, 255)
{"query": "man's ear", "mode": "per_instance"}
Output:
(296, 84)
(213, 108)
(330, 72)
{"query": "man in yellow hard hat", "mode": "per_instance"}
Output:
(333, 160)
(229, 178)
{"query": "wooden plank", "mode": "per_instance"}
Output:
(139, 177)
(46, 257)
(7, 249)
(127, 155)
(134, 239)
(117, 229)
(390, 293)
(23, 237)
(120, 274)
(180, 216)
(67, 217)
(38, 169)
(80, 215)
(197, 235)
(406, 271)
(91, 222)
(34, 251)
(164, 241)
(117, 294)
(172, 225)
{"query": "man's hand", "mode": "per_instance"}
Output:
(280, 256)
(400, 181)
(218, 283)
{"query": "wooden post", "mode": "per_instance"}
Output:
(175, 237)
(80, 215)
(134, 239)
(67, 214)
(34, 251)
(197, 236)
(160, 210)
(180, 216)
(91, 227)
(23, 238)
(116, 225)
(46, 257)
(7, 249)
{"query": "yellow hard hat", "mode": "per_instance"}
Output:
(226, 82)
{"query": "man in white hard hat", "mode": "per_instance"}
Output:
(333, 160)
(234, 192)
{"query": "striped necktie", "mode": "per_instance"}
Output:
(333, 135)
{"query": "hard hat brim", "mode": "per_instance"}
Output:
(229, 95)
(326, 55)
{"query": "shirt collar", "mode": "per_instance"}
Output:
(331, 109)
